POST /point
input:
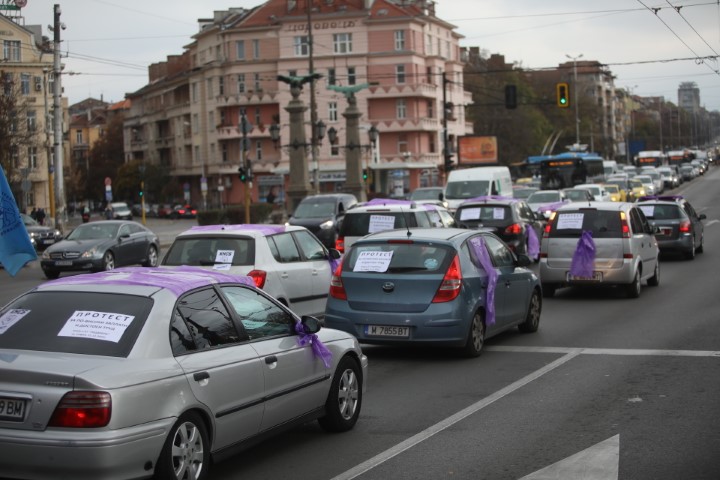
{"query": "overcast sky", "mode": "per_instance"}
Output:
(111, 42)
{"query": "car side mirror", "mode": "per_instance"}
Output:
(310, 324)
(523, 260)
(334, 253)
(441, 197)
(702, 216)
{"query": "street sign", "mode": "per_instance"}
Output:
(203, 184)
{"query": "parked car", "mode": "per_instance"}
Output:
(626, 251)
(387, 214)
(288, 262)
(41, 236)
(120, 211)
(164, 211)
(429, 287)
(511, 220)
(323, 215)
(158, 372)
(102, 245)
(681, 228)
(183, 211)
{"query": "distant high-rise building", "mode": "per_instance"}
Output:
(689, 96)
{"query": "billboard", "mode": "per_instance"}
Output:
(477, 150)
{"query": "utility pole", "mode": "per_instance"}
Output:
(313, 105)
(447, 156)
(575, 98)
(48, 146)
(57, 123)
(245, 128)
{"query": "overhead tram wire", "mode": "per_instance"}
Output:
(677, 9)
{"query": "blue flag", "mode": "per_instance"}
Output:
(15, 247)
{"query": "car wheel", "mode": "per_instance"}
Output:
(108, 261)
(476, 336)
(633, 289)
(532, 319)
(690, 252)
(186, 453)
(654, 281)
(152, 257)
(548, 290)
(51, 274)
(342, 407)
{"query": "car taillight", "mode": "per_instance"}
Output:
(450, 287)
(340, 244)
(181, 211)
(514, 229)
(337, 289)
(82, 410)
(624, 225)
(546, 230)
(258, 277)
(684, 227)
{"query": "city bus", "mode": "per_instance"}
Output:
(652, 158)
(558, 172)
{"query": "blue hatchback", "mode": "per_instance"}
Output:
(433, 286)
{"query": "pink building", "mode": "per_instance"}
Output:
(188, 116)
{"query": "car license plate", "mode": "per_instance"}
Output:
(597, 277)
(384, 331)
(12, 409)
(48, 241)
(666, 231)
(63, 263)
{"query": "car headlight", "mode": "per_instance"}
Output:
(327, 225)
(93, 252)
(33, 234)
(58, 233)
(46, 255)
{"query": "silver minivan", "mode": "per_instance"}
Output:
(626, 251)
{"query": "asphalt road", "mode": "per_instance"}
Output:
(608, 388)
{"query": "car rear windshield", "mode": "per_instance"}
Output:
(104, 324)
(209, 250)
(662, 211)
(315, 209)
(601, 223)
(410, 258)
(361, 223)
(485, 214)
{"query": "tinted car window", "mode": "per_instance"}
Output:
(499, 252)
(259, 316)
(485, 214)
(359, 224)
(662, 212)
(70, 322)
(413, 258)
(207, 319)
(285, 249)
(203, 251)
(181, 340)
(315, 209)
(602, 224)
(311, 248)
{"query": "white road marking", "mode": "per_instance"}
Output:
(607, 351)
(452, 420)
(599, 462)
(712, 222)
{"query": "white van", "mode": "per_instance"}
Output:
(467, 183)
(610, 167)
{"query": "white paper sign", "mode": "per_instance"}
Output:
(222, 266)
(570, 221)
(648, 210)
(470, 214)
(378, 223)
(98, 325)
(224, 256)
(10, 318)
(498, 213)
(373, 262)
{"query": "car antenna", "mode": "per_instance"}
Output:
(409, 233)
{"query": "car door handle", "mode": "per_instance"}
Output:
(314, 272)
(507, 283)
(271, 359)
(284, 275)
(200, 376)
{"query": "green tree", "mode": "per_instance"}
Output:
(106, 158)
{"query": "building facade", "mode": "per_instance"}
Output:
(403, 61)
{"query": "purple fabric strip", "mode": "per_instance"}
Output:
(387, 201)
(583, 261)
(489, 198)
(319, 349)
(265, 229)
(550, 206)
(161, 277)
(478, 245)
(533, 245)
(334, 264)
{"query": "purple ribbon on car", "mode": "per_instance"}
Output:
(319, 349)
(533, 245)
(478, 246)
(583, 261)
(265, 229)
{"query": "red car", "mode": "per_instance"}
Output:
(183, 211)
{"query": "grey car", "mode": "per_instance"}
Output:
(626, 251)
(430, 287)
(681, 227)
(136, 372)
(323, 215)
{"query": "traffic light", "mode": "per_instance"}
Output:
(510, 96)
(365, 174)
(142, 187)
(242, 174)
(563, 95)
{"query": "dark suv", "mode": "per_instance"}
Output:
(681, 228)
(323, 215)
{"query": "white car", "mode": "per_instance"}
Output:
(598, 191)
(648, 182)
(545, 201)
(287, 262)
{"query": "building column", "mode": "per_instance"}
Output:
(353, 151)
(299, 186)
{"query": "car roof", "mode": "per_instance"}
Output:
(392, 205)
(418, 233)
(327, 197)
(249, 229)
(491, 201)
(611, 206)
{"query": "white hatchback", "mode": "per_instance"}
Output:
(287, 262)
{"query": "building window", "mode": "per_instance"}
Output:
(196, 158)
(258, 150)
(302, 46)
(342, 43)
(399, 39)
(224, 152)
(402, 143)
(25, 83)
(11, 50)
(193, 91)
(7, 83)
(334, 150)
(432, 143)
(32, 157)
(331, 76)
(15, 155)
(256, 49)
(257, 86)
(196, 123)
(428, 47)
(222, 118)
(258, 120)
(399, 73)
(332, 112)
(221, 85)
(31, 120)
(240, 49)
(352, 77)
(209, 88)
(241, 83)
(211, 121)
(79, 137)
(401, 108)
(431, 108)
(292, 73)
(429, 75)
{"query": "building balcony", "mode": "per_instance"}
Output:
(250, 97)
(405, 90)
(232, 132)
(165, 142)
(407, 124)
